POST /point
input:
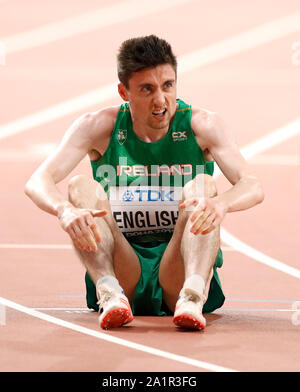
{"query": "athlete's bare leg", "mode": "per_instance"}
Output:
(187, 253)
(114, 256)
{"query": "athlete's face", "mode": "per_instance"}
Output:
(152, 97)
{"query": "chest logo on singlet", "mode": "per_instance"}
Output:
(122, 136)
(179, 136)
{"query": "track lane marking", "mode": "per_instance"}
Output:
(242, 42)
(113, 339)
(266, 142)
(86, 22)
(239, 43)
(257, 255)
(276, 160)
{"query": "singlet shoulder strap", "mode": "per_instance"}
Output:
(123, 119)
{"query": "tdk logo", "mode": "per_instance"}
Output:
(127, 196)
(148, 195)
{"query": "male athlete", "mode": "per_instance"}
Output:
(146, 227)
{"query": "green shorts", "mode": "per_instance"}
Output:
(147, 299)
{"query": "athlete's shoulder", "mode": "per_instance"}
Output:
(97, 123)
(208, 126)
(93, 125)
(204, 119)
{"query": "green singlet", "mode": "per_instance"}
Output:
(143, 182)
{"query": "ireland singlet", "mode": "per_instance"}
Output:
(144, 182)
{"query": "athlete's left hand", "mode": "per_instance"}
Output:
(207, 214)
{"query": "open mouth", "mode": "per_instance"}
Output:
(160, 113)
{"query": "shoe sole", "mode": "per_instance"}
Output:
(116, 318)
(189, 322)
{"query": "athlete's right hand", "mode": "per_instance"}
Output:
(81, 226)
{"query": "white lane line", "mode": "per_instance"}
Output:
(37, 246)
(257, 255)
(58, 111)
(28, 153)
(66, 309)
(272, 139)
(268, 141)
(227, 248)
(276, 160)
(87, 22)
(207, 55)
(242, 42)
(276, 137)
(262, 300)
(113, 339)
(2, 315)
(253, 310)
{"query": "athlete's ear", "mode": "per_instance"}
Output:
(123, 92)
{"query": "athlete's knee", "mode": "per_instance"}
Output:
(84, 192)
(203, 185)
(77, 181)
(75, 185)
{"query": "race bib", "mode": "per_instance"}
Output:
(138, 209)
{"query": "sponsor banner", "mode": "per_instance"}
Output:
(145, 208)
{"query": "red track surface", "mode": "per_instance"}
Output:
(256, 91)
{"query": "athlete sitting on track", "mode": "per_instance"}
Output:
(147, 227)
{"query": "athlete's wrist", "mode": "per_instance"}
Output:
(61, 207)
(223, 203)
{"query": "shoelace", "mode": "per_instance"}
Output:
(190, 297)
(104, 297)
(194, 298)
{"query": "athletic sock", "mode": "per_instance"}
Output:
(196, 283)
(110, 281)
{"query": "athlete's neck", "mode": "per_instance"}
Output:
(150, 135)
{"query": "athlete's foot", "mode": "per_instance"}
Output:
(188, 310)
(114, 308)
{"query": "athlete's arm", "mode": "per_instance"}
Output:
(246, 190)
(77, 142)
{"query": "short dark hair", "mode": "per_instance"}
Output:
(139, 53)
